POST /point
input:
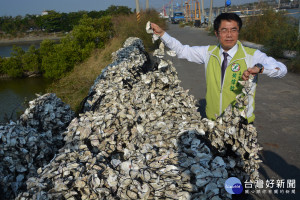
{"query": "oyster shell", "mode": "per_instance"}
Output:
(140, 137)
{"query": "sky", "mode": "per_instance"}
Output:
(23, 7)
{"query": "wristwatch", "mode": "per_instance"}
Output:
(261, 68)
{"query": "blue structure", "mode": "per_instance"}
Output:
(228, 3)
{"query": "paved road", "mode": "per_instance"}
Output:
(277, 112)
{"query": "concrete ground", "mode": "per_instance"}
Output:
(277, 114)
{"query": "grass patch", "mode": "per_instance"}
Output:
(127, 26)
(294, 65)
(74, 87)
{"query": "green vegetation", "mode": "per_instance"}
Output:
(52, 22)
(1, 66)
(31, 60)
(55, 60)
(78, 59)
(276, 31)
(13, 65)
(76, 46)
(74, 87)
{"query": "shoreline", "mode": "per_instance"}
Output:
(27, 40)
(25, 76)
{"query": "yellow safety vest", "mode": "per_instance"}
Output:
(218, 96)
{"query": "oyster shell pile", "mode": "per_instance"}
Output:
(47, 112)
(31, 142)
(141, 137)
(231, 135)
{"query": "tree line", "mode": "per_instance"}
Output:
(54, 60)
(53, 21)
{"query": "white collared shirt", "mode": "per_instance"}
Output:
(199, 54)
(231, 53)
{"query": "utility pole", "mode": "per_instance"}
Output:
(210, 13)
(172, 7)
(137, 6)
(299, 30)
(181, 6)
(147, 5)
(203, 13)
(278, 4)
(197, 14)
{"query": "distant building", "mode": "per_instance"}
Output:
(45, 13)
(289, 4)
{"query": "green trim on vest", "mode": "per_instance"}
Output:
(218, 98)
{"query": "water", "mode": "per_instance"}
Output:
(294, 13)
(5, 51)
(14, 92)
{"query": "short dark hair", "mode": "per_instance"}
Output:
(228, 17)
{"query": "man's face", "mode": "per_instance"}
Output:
(228, 34)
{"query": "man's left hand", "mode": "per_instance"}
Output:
(254, 71)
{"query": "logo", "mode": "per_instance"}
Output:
(235, 67)
(233, 186)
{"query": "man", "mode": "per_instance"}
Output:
(225, 63)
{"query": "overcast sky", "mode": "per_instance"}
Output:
(23, 7)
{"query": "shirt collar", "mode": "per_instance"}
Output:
(231, 52)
